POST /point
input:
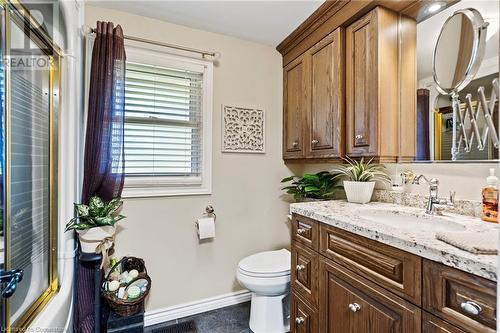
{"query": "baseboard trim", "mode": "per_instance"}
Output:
(188, 309)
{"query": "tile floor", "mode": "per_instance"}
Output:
(231, 319)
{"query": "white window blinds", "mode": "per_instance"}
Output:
(163, 121)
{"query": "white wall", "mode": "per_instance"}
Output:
(251, 217)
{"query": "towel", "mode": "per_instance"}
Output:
(473, 242)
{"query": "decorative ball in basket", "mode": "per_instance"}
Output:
(126, 286)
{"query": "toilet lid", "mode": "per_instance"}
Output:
(267, 263)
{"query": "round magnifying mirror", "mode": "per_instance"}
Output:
(459, 50)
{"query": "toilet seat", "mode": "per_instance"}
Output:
(267, 264)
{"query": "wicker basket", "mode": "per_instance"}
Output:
(125, 307)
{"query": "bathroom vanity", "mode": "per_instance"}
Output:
(378, 268)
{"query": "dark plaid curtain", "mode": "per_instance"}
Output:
(103, 160)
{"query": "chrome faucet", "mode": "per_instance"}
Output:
(434, 201)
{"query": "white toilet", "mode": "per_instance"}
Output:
(267, 276)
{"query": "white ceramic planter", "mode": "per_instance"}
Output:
(359, 192)
(91, 238)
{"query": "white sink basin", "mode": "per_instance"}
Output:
(413, 222)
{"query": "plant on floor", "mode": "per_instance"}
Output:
(322, 185)
(361, 171)
(97, 213)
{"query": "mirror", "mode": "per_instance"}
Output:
(459, 50)
(457, 95)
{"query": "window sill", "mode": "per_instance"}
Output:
(148, 192)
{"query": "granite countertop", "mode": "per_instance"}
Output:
(362, 220)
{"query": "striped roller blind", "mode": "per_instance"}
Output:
(163, 121)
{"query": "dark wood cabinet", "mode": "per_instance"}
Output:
(295, 107)
(303, 318)
(352, 304)
(372, 86)
(326, 115)
(345, 283)
(460, 298)
(304, 273)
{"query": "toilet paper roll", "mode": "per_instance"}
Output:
(206, 227)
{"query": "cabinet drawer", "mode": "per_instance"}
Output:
(393, 269)
(304, 273)
(432, 324)
(462, 299)
(305, 231)
(303, 318)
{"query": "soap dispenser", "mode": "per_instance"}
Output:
(489, 210)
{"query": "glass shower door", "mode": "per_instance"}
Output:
(29, 165)
(28, 169)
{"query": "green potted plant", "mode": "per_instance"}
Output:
(319, 186)
(95, 223)
(359, 178)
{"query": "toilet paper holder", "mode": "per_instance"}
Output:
(209, 212)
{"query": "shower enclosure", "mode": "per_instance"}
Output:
(29, 99)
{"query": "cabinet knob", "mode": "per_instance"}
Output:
(359, 137)
(471, 308)
(300, 320)
(314, 142)
(295, 144)
(354, 307)
(300, 267)
(300, 231)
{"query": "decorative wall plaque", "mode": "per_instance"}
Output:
(243, 130)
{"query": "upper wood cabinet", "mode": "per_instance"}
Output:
(326, 112)
(314, 101)
(372, 92)
(351, 79)
(295, 104)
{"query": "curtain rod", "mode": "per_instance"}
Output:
(172, 46)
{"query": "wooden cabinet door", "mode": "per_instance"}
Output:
(295, 107)
(303, 318)
(326, 116)
(352, 304)
(362, 86)
(304, 272)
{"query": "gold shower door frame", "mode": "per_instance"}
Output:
(14, 11)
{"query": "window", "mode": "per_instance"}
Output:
(168, 106)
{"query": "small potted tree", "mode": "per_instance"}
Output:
(359, 178)
(311, 187)
(95, 223)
